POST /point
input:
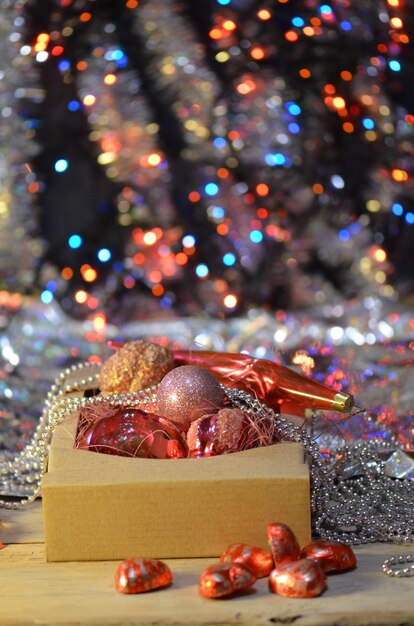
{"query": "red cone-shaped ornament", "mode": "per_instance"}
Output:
(270, 382)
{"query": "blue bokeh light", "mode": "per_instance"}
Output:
(211, 189)
(229, 259)
(220, 142)
(202, 270)
(104, 255)
(74, 105)
(394, 65)
(61, 165)
(46, 296)
(256, 236)
(64, 65)
(75, 241)
(368, 123)
(294, 128)
(293, 108)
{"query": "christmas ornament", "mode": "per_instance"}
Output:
(140, 575)
(373, 508)
(223, 579)
(133, 432)
(304, 578)
(283, 543)
(135, 366)
(270, 382)
(226, 431)
(187, 393)
(332, 555)
(259, 561)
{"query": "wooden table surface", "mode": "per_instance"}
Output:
(68, 594)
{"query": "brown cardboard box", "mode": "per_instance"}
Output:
(101, 507)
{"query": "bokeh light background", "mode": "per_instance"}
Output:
(244, 165)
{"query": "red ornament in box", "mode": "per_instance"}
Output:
(135, 433)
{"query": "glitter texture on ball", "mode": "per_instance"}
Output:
(187, 393)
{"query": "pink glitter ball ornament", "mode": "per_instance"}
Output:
(187, 393)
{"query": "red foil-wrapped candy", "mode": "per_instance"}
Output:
(223, 579)
(283, 543)
(299, 579)
(140, 575)
(332, 555)
(135, 433)
(259, 561)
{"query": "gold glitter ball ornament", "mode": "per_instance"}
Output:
(136, 366)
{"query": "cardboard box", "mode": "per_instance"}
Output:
(101, 507)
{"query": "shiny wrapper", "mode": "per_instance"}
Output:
(331, 555)
(141, 575)
(259, 561)
(283, 543)
(300, 579)
(224, 579)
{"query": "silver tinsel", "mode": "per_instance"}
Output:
(353, 499)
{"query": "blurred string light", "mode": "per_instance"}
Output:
(242, 213)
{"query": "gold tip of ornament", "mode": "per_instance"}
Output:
(357, 410)
(343, 402)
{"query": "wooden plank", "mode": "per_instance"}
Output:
(74, 594)
(22, 526)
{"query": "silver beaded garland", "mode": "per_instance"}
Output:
(359, 506)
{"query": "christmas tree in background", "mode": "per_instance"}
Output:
(210, 156)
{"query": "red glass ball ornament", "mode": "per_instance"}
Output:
(140, 575)
(135, 433)
(332, 555)
(299, 579)
(187, 393)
